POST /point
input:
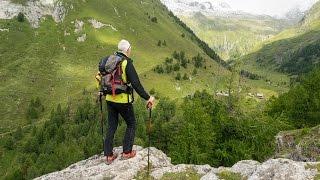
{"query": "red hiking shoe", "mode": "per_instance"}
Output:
(129, 155)
(110, 159)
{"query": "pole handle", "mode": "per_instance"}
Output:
(149, 105)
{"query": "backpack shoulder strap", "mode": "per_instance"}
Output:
(102, 64)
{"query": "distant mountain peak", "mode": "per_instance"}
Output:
(222, 8)
(189, 7)
(295, 14)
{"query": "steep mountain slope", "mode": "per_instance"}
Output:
(58, 61)
(293, 51)
(236, 35)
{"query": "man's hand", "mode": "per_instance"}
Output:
(150, 102)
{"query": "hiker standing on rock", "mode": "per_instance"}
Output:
(117, 78)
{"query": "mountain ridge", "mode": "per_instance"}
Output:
(231, 33)
(221, 8)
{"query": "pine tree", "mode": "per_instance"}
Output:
(164, 43)
(178, 77)
(198, 61)
(154, 19)
(184, 63)
(196, 127)
(176, 67)
(152, 91)
(175, 55)
(8, 143)
(194, 72)
(185, 76)
(18, 134)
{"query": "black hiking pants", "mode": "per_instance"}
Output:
(126, 111)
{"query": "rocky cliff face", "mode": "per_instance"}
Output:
(299, 145)
(34, 10)
(95, 168)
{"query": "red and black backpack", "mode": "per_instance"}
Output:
(111, 72)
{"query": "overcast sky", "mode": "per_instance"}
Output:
(270, 7)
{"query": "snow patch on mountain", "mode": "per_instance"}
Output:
(221, 8)
(207, 7)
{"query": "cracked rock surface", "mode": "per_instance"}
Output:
(95, 168)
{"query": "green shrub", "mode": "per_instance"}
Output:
(176, 67)
(198, 61)
(228, 175)
(185, 77)
(152, 91)
(20, 17)
(9, 143)
(164, 43)
(178, 77)
(194, 72)
(168, 61)
(168, 69)
(159, 69)
(154, 19)
(34, 110)
(190, 174)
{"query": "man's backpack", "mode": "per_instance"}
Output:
(111, 72)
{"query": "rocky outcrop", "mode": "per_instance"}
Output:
(283, 169)
(34, 10)
(95, 168)
(78, 26)
(82, 38)
(97, 24)
(4, 30)
(299, 145)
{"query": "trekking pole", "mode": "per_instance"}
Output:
(149, 134)
(101, 116)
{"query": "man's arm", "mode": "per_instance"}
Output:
(133, 78)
